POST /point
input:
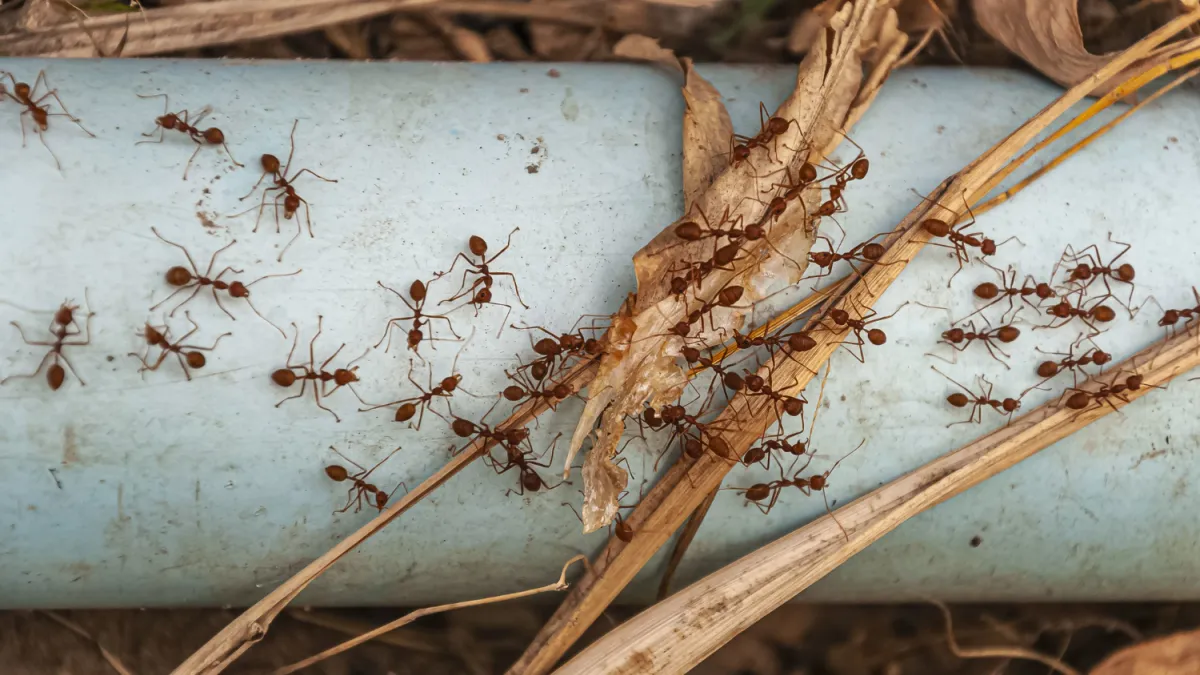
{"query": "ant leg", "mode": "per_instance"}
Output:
(65, 112)
(34, 373)
(196, 290)
(145, 363)
(27, 340)
(515, 287)
(332, 357)
(217, 298)
(317, 398)
(42, 137)
(187, 167)
(295, 341)
(195, 269)
(261, 178)
(227, 152)
(315, 174)
(303, 387)
(260, 315)
(507, 243)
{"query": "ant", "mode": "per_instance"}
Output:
(1171, 317)
(409, 406)
(187, 359)
(867, 253)
(25, 95)
(727, 297)
(184, 279)
(766, 448)
(341, 377)
(419, 292)
(1006, 334)
(1088, 268)
(960, 241)
(1047, 370)
(1083, 399)
(480, 289)
(1066, 311)
(359, 487)
(760, 492)
(62, 326)
(1009, 290)
(978, 401)
(282, 186)
(758, 386)
(730, 381)
(529, 479)
(179, 122)
(526, 389)
(564, 345)
(841, 319)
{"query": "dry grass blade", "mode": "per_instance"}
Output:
(233, 640)
(559, 585)
(1055, 665)
(75, 628)
(665, 507)
(680, 631)
(685, 540)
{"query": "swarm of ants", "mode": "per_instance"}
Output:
(1085, 294)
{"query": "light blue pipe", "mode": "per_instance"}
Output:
(154, 491)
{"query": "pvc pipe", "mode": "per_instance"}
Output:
(155, 491)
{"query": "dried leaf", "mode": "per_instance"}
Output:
(646, 368)
(469, 44)
(1177, 654)
(505, 44)
(1046, 33)
(809, 26)
(44, 13)
(642, 48)
(706, 133)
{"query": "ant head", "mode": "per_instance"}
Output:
(741, 152)
(650, 417)
(876, 336)
(414, 337)
(344, 377)
(405, 412)
(152, 335)
(291, 204)
(1044, 291)
(1010, 405)
(873, 251)
(754, 231)
(987, 247)
(935, 227)
(284, 377)
(168, 121)
(758, 492)
(64, 314)
(195, 359)
(986, 291)
(417, 290)
(859, 169)
(821, 258)
(336, 473)
(381, 499)
(672, 413)
(817, 482)
(1104, 313)
(777, 125)
(238, 290)
(516, 436)
(778, 205)
(1008, 333)
(801, 342)
(754, 382)
(270, 163)
(482, 296)
(21, 90)
(449, 384)
(807, 173)
(682, 328)
(214, 136)
(1062, 310)
(55, 376)
(1047, 369)
(679, 285)
(1125, 272)
(691, 354)
(1169, 317)
(839, 316)
(958, 399)
(1101, 357)
(546, 347)
(954, 335)
(622, 530)
(689, 231)
(539, 370)
(593, 346)
(513, 393)
(729, 295)
(178, 276)
(462, 428)
(571, 342)
(477, 245)
(1134, 382)
(1079, 400)
(561, 391)
(1081, 272)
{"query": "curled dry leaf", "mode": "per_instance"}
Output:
(1172, 655)
(646, 368)
(642, 48)
(1046, 33)
(706, 133)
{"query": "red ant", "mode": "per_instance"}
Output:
(529, 478)
(187, 359)
(564, 345)
(359, 487)
(1047, 370)
(1171, 317)
(841, 320)
(959, 241)
(978, 401)
(409, 406)
(526, 389)
(727, 297)
(25, 95)
(960, 339)
(767, 447)
(866, 253)
(1009, 290)
(419, 292)
(185, 279)
(730, 381)
(1083, 399)
(782, 403)
(1088, 268)
(179, 122)
(618, 527)
(480, 290)
(60, 329)
(341, 377)
(1066, 311)
(282, 186)
(759, 492)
